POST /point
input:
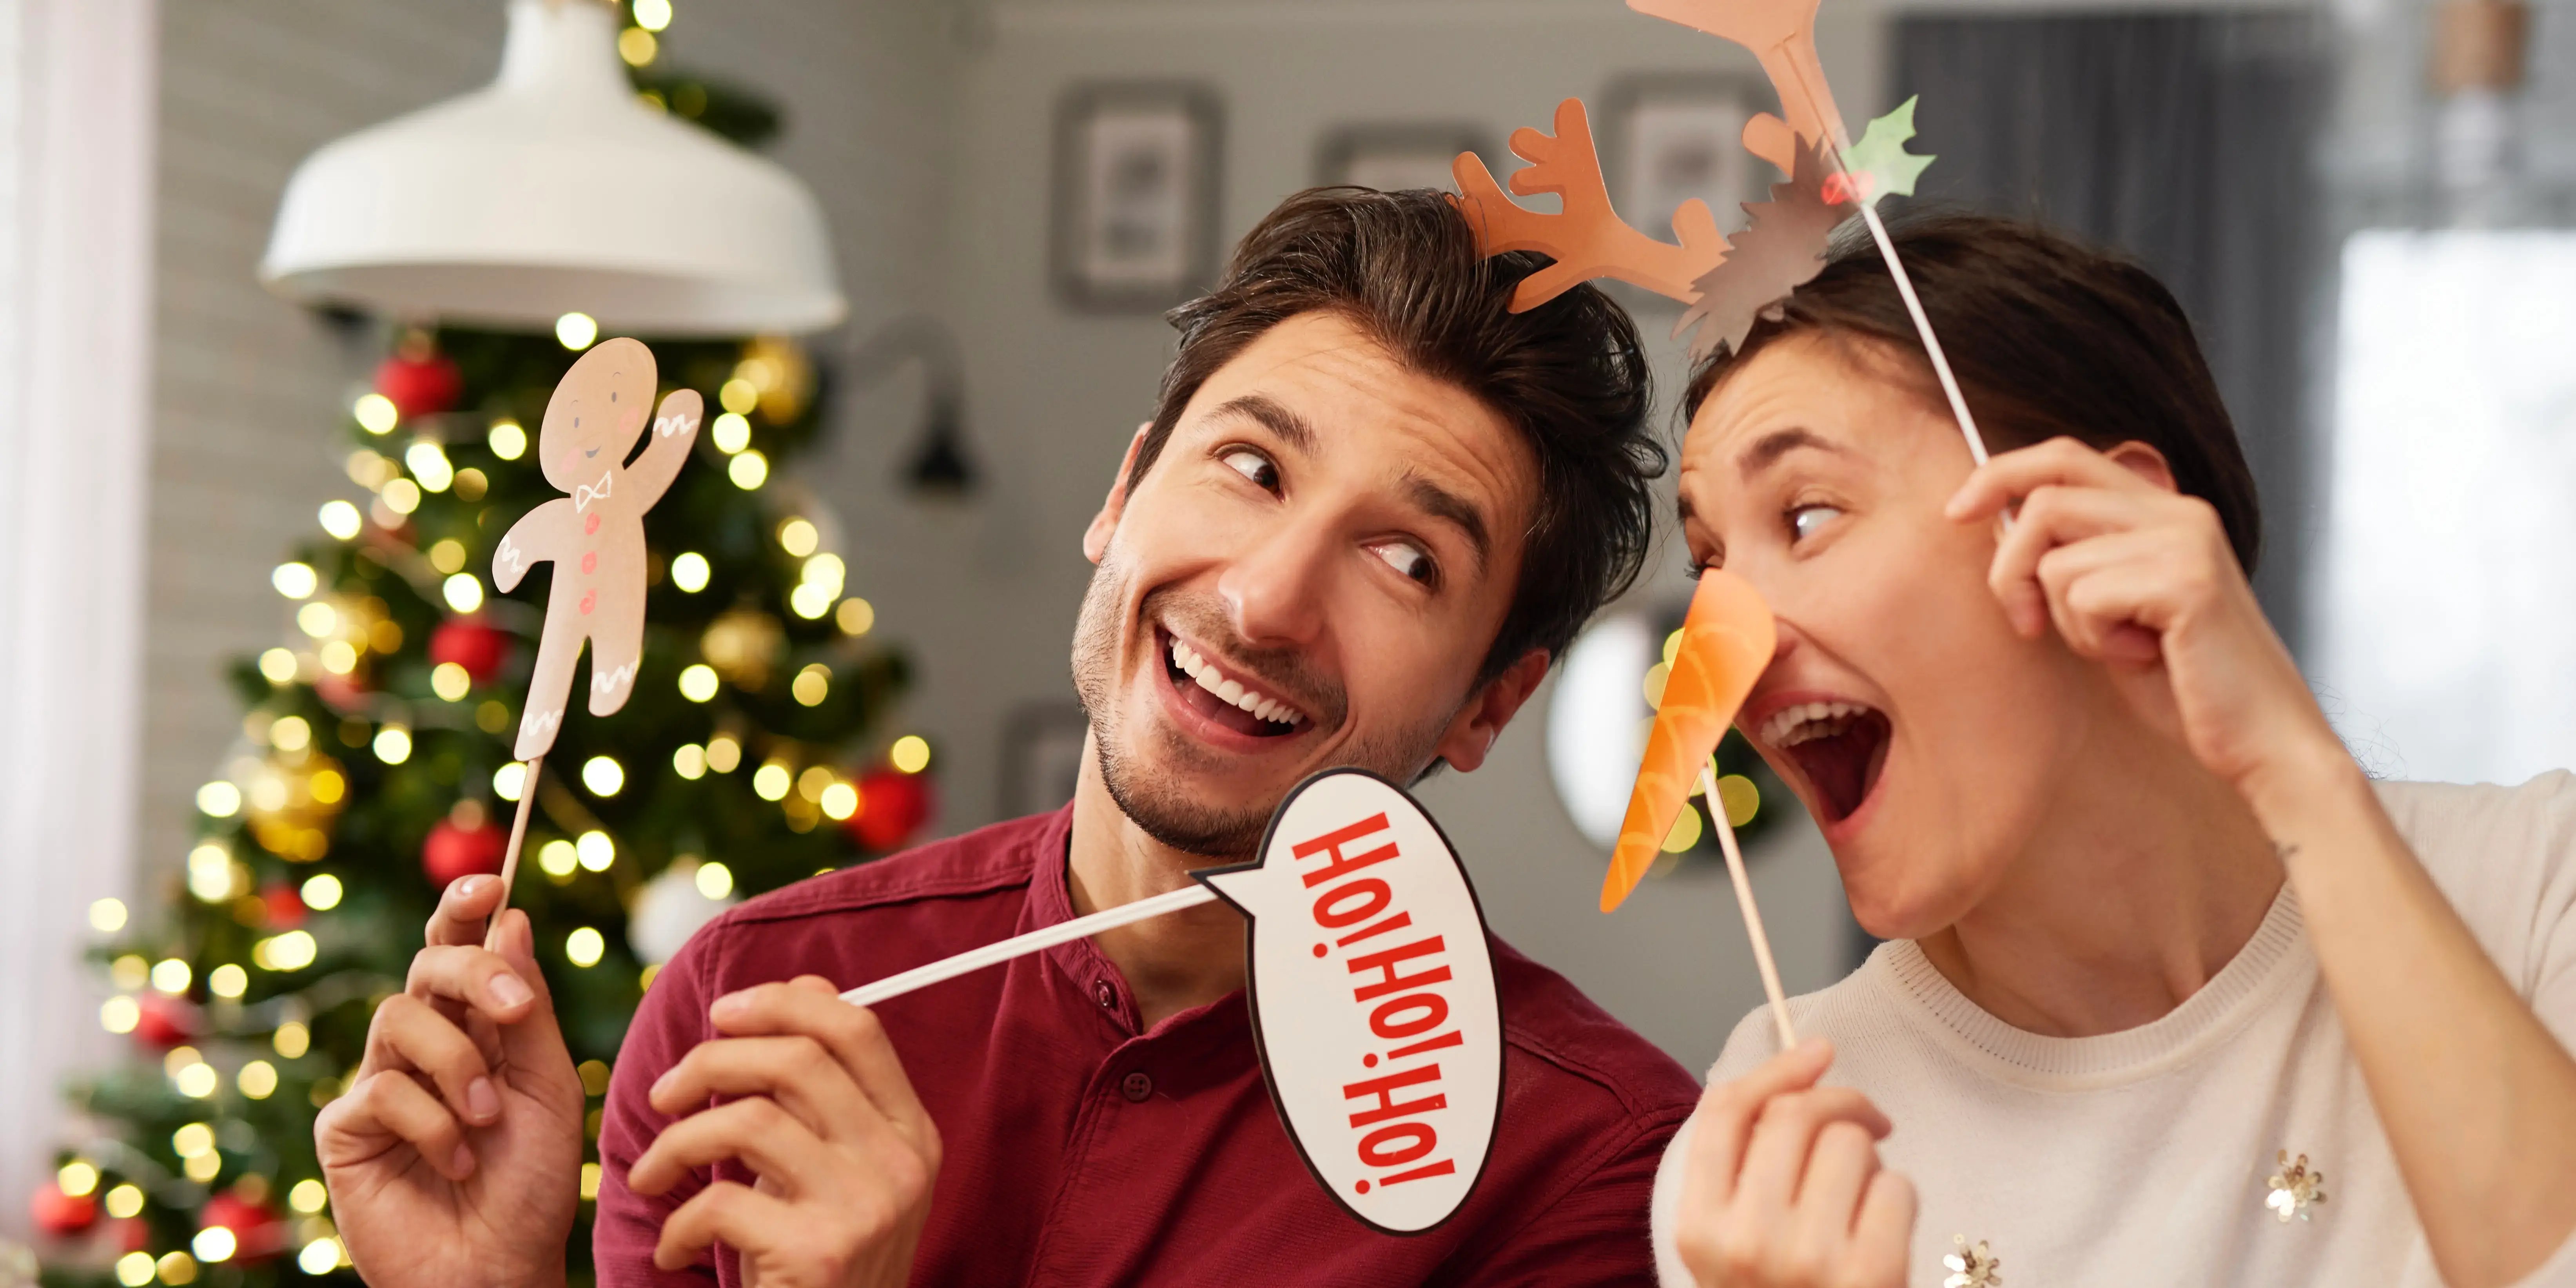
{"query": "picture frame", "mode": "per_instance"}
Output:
(1042, 746)
(1136, 185)
(1391, 157)
(1669, 137)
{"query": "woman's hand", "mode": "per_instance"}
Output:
(2141, 577)
(454, 1158)
(1783, 1187)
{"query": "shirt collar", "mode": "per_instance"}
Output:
(1080, 966)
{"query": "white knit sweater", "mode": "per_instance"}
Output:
(2143, 1157)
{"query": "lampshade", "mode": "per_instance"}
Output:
(551, 191)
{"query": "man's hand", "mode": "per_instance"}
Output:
(454, 1158)
(1783, 1189)
(819, 1107)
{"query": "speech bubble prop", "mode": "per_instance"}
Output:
(1373, 999)
(1727, 640)
(594, 536)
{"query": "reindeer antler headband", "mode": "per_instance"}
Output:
(1726, 284)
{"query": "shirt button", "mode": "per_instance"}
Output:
(1107, 996)
(1136, 1086)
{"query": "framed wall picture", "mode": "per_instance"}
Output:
(1394, 157)
(1668, 138)
(1041, 756)
(1136, 169)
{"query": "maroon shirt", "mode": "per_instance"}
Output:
(1082, 1149)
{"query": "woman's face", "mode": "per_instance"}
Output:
(1923, 734)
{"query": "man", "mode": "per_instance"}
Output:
(1371, 506)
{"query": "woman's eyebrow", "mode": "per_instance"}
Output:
(1768, 449)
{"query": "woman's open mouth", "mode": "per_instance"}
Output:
(1225, 698)
(1840, 746)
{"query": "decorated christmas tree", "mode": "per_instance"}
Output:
(374, 766)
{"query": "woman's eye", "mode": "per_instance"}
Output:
(1407, 558)
(1254, 466)
(1807, 520)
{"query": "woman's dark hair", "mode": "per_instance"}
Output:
(2046, 337)
(1569, 375)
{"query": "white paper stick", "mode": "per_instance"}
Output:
(1868, 202)
(975, 959)
(1752, 915)
(510, 856)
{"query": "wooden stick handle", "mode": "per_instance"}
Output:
(1752, 915)
(975, 959)
(510, 856)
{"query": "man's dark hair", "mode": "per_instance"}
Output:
(1569, 375)
(2046, 337)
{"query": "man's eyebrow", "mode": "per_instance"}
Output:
(1441, 503)
(1290, 427)
(1769, 448)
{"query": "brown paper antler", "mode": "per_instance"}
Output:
(1782, 36)
(1589, 239)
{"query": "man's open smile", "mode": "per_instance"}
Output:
(1222, 702)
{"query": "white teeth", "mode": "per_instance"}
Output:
(1229, 690)
(1806, 721)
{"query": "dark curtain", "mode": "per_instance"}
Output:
(2186, 140)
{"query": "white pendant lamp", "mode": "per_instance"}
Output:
(555, 190)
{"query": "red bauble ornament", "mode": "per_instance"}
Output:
(258, 1232)
(165, 1021)
(420, 386)
(472, 643)
(285, 906)
(60, 1214)
(892, 808)
(454, 850)
(342, 693)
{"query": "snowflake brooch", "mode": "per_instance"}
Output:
(2295, 1189)
(1976, 1267)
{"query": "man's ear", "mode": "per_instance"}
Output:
(1095, 539)
(1472, 732)
(2143, 460)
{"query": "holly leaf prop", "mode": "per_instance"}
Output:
(1880, 160)
(1782, 250)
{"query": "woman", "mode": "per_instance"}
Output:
(2173, 993)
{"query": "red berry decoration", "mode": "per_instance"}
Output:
(166, 1021)
(459, 850)
(258, 1231)
(892, 808)
(420, 386)
(285, 906)
(472, 643)
(60, 1214)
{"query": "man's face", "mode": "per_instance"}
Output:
(1309, 576)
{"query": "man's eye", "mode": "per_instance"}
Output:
(1254, 466)
(1407, 558)
(1807, 520)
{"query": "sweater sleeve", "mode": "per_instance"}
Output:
(671, 1019)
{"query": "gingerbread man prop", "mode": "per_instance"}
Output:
(595, 535)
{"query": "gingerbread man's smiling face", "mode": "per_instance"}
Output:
(595, 414)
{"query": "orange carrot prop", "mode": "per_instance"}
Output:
(1727, 641)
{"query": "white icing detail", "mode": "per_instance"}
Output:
(583, 494)
(665, 426)
(510, 558)
(612, 679)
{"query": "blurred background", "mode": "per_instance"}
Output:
(275, 374)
